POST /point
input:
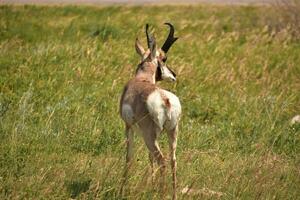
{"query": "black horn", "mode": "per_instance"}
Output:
(170, 40)
(148, 37)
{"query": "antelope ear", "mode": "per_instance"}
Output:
(139, 48)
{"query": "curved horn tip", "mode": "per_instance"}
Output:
(170, 39)
(169, 24)
(172, 29)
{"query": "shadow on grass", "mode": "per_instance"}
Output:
(76, 186)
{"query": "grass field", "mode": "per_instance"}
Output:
(62, 70)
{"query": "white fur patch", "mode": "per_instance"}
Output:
(167, 74)
(175, 109)
(163, 115)
(156, 108)
(127, 113)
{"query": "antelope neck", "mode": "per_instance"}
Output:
(146, 71)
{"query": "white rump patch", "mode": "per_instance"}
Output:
(127, 113)
(156, 108)
(165, 116)
(175, 109)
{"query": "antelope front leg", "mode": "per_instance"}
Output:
(129, 141)
(172, 135)
(151, 159)
(129, 155)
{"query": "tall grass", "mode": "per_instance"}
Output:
(62, 70)
(288, 17)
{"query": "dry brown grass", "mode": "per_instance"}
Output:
(287, 14)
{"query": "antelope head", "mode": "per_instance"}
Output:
(157, 56)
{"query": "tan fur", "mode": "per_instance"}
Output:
(134, 98)
(138, 89)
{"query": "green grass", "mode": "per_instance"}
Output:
(62, 70)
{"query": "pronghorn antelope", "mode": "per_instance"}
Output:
(149, 108)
